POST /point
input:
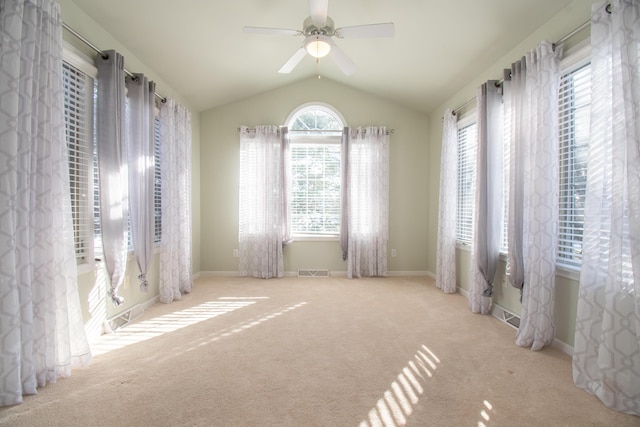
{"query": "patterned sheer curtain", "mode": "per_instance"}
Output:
(368, 197)
(112, 167)
(175, 172)
(446, 256)
(487, 218)
(263, 229)
(532, 97)
(41, 328)
(140, 149)
(606, 357)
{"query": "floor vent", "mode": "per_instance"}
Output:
(313, 273)
(123, 319)
(506, 316)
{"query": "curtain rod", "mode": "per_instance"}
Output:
(389, 131)
(563, 39)
(92, 46)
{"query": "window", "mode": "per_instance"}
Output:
(78, 114)
(315, 134)
(575, 101)
(157, 187)
(80, 92)
(467, 140)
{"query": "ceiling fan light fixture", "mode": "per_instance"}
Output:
(317, 46)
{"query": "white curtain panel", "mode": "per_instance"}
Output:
(606, 357)
(516, 111)
(175, 171)
(488, 213)
(41, 331)
(533, 94)
(368, 194)
(344, 199)
(112, 167)
(447, 208)
(140, 142)
(262, 201)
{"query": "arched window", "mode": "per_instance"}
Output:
(315, 132)
(315, 119)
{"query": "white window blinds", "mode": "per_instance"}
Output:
(467, 141)
(575, 102)
(316, 177)
(78, 114)
(157, 188)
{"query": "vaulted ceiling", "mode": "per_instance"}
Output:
(199, 47)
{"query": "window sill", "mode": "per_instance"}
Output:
(567, 272)
(315, 238)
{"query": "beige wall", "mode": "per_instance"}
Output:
(570, 18)
(408, 175)
(96, 306)
(414, 174)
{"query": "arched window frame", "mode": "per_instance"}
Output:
(304, 222)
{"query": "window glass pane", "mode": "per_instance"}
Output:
(316, 170)
(78, 115)
(467, 140)
(157, 187)
(575, 102)
(316, 120)
(316, 176)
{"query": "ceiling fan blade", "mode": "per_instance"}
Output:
(271, 31)
(319, 10)
(342, 60)
(293, 61)
(366, 31)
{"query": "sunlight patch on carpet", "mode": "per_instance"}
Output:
(255, 321)
(484, 414)
(397, 403)
(152, 328)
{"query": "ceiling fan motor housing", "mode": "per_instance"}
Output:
(310, 29)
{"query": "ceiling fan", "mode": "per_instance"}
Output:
(319, 31)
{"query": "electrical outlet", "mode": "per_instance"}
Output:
(394, 253)
(235, 253)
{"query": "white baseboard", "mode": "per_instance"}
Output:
(218, 274)
(557, 344)
(562, 346)
(149, 303)
(295, 273)
(408, 273)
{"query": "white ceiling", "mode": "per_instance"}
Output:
(199, 49)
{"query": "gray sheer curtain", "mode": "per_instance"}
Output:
(447, 208)
(175, 170)
(344, 200)
(532, 97)
(140, 159)
(42, 333)
(112, 167)
(368, 202)
(263, 201)
(606, 356)
(487, 218)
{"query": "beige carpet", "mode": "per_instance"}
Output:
(316, 352)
